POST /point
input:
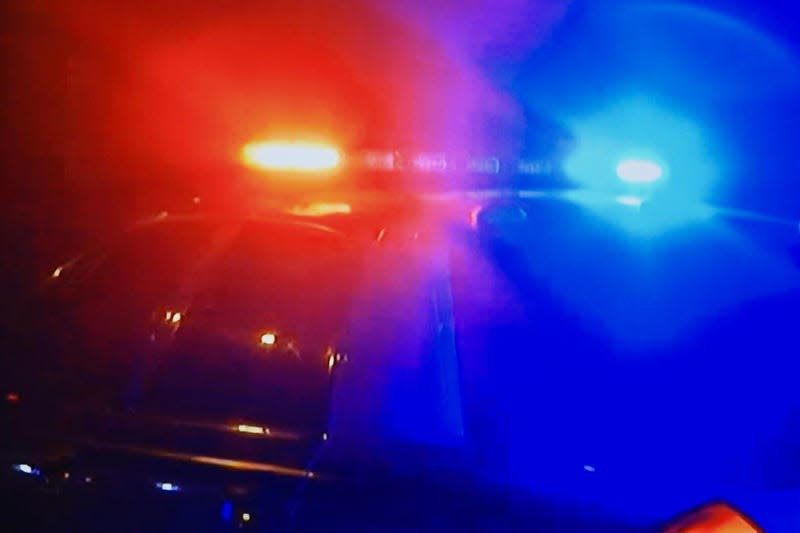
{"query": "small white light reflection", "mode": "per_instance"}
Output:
(26, 469)
(176, 317)
(291, 347)
(167, 487)
(589, 468)
(268, 339)
(246, 517)
(253, 430)
(631, 201)
(57, 272)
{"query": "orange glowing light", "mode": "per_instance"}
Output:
(291, 156)
(321, 209)
(253, 430)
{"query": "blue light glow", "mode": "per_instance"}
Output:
(622, 152)
(639, 171)
(227, 511)
(167, 487)
(687, 48)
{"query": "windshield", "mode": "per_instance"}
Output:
(549, 246)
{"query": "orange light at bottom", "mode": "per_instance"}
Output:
(716, 518)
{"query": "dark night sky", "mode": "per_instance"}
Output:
(187, 83)
(111, 110)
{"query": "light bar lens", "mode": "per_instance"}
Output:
(639, 171)
(253, 430)
(430, 162)
(321, 209)
(291, 156)
(379, 160)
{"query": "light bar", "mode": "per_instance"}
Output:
(291, 156)
(383, 160)
(489, 165)
(534, 166)
(253, 430)
(430, 162)
(321, 209)
(167, 487)
(639, 171)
